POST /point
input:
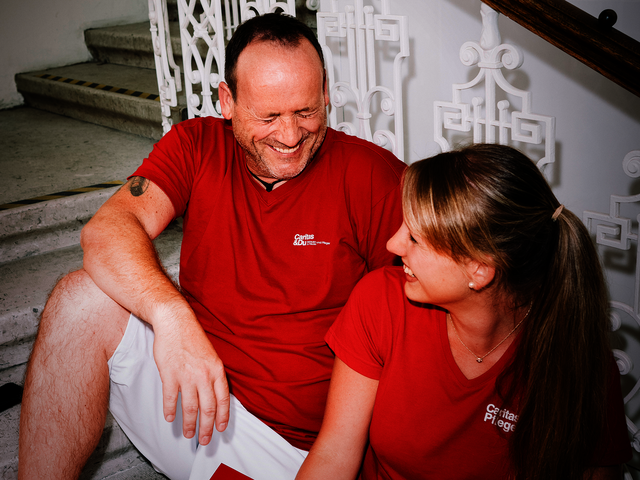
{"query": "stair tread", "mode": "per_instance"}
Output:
(114, 459)
(121, 76)
(116, 96)
(129, 44)
(133, 35)
(26, 284)
(77, 154)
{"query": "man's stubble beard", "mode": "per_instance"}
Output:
(263, 169)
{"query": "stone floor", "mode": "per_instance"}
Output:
(62, 154)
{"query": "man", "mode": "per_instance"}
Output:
(282, 217)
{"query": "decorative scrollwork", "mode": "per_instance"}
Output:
(508, 56)
(470, 54)
(361, 29)
(631, 164)
(313, 5)
(635, 442)
(624, 362)
(340, 94)
(616, 231)
(387, 106)
(385, 139)
(203, 35)
(489, 119)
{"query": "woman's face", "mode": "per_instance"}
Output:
(431, 277)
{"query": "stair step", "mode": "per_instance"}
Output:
(44, 153)
(43, 227)
(129, 44)
(24, 287)
(26, 283)
(115, 96)
(115, 458)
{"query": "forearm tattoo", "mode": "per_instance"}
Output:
(138, 186)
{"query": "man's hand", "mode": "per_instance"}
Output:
(189, 364)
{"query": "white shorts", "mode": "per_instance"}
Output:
(247, 445)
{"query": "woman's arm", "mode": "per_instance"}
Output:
(338, 451)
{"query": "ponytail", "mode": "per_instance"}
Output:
(561, 364)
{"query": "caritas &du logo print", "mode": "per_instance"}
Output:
(307, 239)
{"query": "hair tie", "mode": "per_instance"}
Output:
(557, 213)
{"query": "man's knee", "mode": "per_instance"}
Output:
(78, 307)
(73, 289)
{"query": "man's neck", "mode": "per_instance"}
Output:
(269, 186)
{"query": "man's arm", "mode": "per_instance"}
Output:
(338, 451)
(120, 258)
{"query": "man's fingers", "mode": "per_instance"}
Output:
(207, 414)
(169, 400)
(221, 389)
(189, 411)
(214, 406)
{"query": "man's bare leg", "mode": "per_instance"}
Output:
(66, 391)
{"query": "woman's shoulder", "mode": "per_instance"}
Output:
(380, 295)
(385, 279)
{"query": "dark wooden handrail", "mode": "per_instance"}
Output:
(605, 49)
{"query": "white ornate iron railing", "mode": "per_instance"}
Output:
(203, 42)
(251, 8)
(168, 84)
(616, 231)
(492, 120)
(205, 25)
(202, 37)
(360, 28)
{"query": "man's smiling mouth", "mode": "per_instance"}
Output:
(286, 150)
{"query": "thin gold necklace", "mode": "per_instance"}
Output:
(479, 359)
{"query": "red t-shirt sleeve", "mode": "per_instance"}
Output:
(172, 164)
(361, 335)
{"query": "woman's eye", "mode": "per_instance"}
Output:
(412, 239)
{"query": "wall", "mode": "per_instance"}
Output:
(597, 122)
(42, 34)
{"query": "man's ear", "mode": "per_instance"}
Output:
(325, 87)
(226, 100)
(481, 274)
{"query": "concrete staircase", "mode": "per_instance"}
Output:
(84, 129)
(56, 172)
(119, 90)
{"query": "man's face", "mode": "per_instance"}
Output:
(279, 114)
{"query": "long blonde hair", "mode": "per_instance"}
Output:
(491, 203)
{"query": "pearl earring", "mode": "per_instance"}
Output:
(472, 285)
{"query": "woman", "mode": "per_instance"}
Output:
(486, 354)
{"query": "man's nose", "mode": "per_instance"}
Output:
(290, 133)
